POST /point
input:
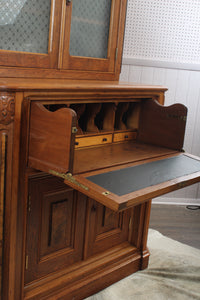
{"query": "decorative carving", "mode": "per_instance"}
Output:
(7, 108)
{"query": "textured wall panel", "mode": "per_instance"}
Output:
(163, 30)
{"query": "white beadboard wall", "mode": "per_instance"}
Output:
(183, 87)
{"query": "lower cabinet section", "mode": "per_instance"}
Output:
(75, 246)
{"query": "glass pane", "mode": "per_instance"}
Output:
(90, 28)
(24, 25)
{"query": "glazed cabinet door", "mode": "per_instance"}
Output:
(29, 33)
(91, 34)
(55, 227)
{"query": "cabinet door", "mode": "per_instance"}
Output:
(104, 228)
(91, 35)
(29, 33)
(55, 227)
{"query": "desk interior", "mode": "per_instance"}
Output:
(101, 157)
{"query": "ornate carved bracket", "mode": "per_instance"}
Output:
(7, 108)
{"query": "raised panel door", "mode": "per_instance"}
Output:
(105, 228)
(55, 227)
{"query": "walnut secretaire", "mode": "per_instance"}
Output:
(82, 162)
(80, 159)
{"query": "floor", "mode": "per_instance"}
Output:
(177, 222)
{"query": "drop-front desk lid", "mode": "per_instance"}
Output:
(128, 174)
(124, 186)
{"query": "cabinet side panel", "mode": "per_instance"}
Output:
(162, 126)
(51, 139)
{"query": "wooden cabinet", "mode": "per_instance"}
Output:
(65, 232)
(62, 39)
(80, 159)
(88, 157)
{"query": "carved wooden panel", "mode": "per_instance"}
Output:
(55, 227)
(104, 228)
(7, 108)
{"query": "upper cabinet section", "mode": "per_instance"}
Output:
(77, 39)
(29, 33)
(91, 32)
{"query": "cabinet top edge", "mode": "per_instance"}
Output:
(23, 84)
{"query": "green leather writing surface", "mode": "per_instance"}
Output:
(134, 178)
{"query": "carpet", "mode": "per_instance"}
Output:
(173, 274)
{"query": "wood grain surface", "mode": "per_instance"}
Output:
(51, 132)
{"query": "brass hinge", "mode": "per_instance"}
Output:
(69, 177)
(116, 53)
(74, 130)
(26, 263)
(106, 193)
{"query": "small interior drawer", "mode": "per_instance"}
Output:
(124, 136)
(93, 140)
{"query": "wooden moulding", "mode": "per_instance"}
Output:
(88, 277)
(51, 141)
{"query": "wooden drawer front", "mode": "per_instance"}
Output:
(93, 140)
(124, 136)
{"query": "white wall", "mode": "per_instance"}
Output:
(161, 47)
(183, 87)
